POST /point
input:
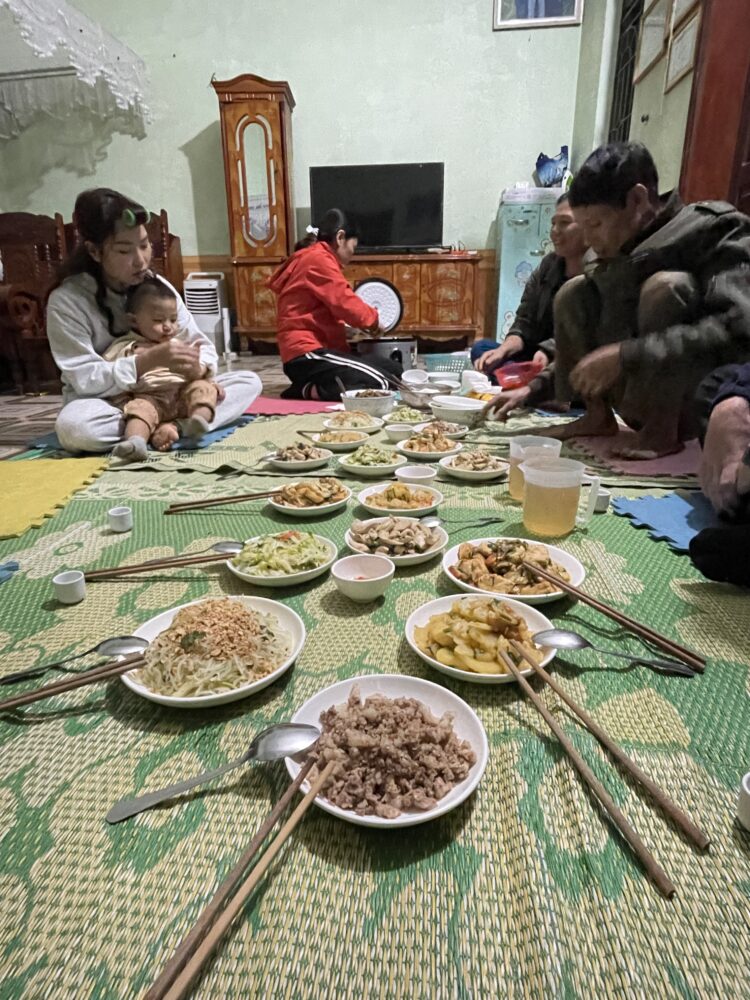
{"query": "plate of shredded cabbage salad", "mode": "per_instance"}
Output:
(216, 650)
(283, 560)
(372, 460)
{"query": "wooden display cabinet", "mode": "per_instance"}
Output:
(256, 135)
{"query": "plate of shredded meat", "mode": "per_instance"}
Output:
(216, 650)
(408, 750)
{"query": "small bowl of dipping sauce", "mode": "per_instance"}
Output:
(416, 475)
(363, 578)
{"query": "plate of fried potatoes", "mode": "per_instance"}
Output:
(462, 637)
(311, 498)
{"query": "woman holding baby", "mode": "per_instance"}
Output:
(143, 383)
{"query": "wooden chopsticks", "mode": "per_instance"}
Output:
(112, 669)
(188, 944)
(650, 864)
(165, 563)
(678, 817)
(181, 508)
(196, 949)
(682, 653)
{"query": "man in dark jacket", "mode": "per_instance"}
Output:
(664, 300)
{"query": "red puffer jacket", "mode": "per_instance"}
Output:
(315, 302)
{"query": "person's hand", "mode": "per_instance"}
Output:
(510, 346)
(505, 402)
(727, 438)
(182, 359)
(540, 358)
(597, 372)
(221, 392)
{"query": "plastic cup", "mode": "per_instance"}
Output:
(551, 494)
(528, 446)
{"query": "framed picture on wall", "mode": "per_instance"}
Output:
(536, 13)
(680, 10)
(682, 52)
(651, 38)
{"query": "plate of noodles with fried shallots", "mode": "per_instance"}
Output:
(216, 650)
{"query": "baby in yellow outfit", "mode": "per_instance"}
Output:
(160, 396)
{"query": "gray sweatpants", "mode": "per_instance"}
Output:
(96, 425)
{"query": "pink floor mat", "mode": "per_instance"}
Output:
(683, 463)
(264, 406)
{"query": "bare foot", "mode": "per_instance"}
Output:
(164, 437)
(646, 449)
(723, 475)
(597, 421)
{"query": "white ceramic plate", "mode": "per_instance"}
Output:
(438, 699)
(372, 428)
(437, 498)
(288, 619)
(292, 579)
(567, 561)
(414, 422)
(453, 435)
(338, 446)
(533, 618)
(427, 456)
(310, 463)
(373, 471)
(320, 511)
(410, 560)
(471, 475)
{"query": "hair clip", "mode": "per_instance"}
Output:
(313, 230)
(128, 218)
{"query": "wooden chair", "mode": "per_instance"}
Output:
(32, 248)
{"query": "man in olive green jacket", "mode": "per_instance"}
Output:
(665, 298)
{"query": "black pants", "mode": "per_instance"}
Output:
(330, 374)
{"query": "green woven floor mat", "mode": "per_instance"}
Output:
(522, 892)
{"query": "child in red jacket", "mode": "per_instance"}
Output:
(315, 304)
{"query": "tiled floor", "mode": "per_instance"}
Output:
(23, 419)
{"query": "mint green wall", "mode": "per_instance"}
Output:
(374, 80)
(588, 84)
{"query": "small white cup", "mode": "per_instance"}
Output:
(70, 586)
(603, 498)
(120, 518)
(743, 804)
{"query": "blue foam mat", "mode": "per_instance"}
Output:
(675, 519)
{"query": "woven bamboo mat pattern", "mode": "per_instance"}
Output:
(524, 891)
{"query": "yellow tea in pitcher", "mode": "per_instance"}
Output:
(515, 478)
(550, 510)
(522, 448)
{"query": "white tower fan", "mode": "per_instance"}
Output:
(206, 299)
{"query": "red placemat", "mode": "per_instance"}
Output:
(265, 406)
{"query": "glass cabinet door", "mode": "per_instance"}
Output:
(255, 181)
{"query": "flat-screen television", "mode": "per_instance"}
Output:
(395, 206)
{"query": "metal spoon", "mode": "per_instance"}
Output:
(229, 548)
(560, 638)
(119, 645)
(432, 521)
(283, 740)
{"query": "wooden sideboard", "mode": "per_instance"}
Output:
(443, 294)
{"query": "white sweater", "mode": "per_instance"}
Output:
(78, 336)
